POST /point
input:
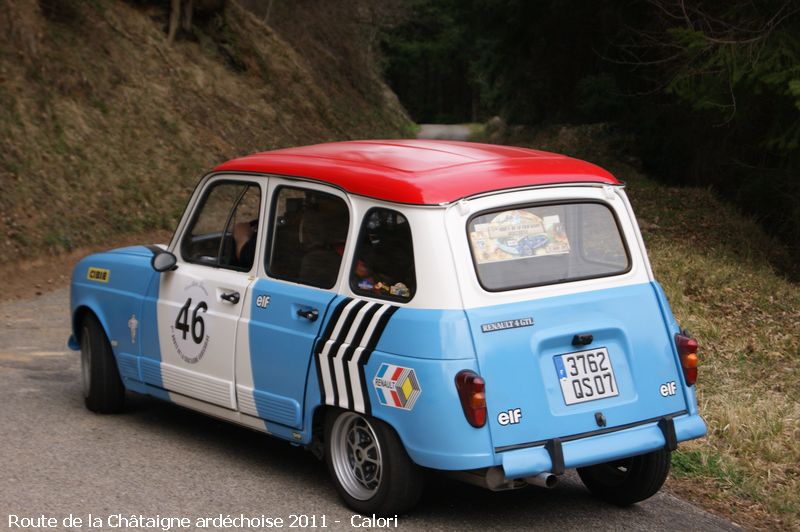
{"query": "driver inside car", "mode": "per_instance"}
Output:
(245, 243)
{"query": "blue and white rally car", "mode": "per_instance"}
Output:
(481, 310)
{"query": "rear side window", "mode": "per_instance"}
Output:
(546, 244)
(309, 231)
(384, 258)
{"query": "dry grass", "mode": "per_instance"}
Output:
(716, 267)
(104, 129)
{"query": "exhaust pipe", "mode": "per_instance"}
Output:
(543, 480)
(491, 478)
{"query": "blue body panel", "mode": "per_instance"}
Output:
(130, 290)
(520, 366)
(602, 448)
(519, 369)
(428, 348)
(433, 334)
(673, 328)
(435, 433)
(280, 347)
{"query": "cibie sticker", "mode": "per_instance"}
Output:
(99, 275)
(397, 386)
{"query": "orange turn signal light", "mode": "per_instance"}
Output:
(687, 349)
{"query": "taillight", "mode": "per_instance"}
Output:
(687, 349)
(472, 392)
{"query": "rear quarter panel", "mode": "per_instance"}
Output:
(436, 345)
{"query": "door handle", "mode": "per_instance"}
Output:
(231, 297)
(310, 315)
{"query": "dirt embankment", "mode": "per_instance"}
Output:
(105, 129)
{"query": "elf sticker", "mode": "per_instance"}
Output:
(397, 386)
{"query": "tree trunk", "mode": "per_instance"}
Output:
(188, 12)
(174, 18)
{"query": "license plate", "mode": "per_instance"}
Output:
(586, 376)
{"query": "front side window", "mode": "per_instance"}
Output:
(309, 231)
(223, 230)
(384, 258)
(546, 244)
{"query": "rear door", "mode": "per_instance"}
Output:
(308, 227)
(567, 328)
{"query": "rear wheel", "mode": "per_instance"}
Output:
(103, 391)
(369, 465)
(627, 481)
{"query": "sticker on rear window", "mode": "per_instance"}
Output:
(517, 234)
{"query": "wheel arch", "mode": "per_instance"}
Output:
(81, 312)
(318, 424)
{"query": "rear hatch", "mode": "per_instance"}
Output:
(579, 343)
(560, 389)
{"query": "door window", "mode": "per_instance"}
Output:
(384, 259)
(224, 228)
(308, 234)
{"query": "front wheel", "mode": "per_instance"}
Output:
(103, 391)
(627, 481)
(369, 465)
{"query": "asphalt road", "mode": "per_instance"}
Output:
(443, 132)
(158, 459)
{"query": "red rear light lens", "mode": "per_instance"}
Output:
(687, 349)
(472, 392)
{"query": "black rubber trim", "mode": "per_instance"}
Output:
(598, 432)
(667, 426)
(556, 452)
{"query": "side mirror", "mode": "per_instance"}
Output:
(164, 261)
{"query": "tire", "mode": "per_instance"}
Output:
(627, 481)
(374, 476)
(103, 391)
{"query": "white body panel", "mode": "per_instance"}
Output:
(204, 369)
(243, 370)
(437, 287)
(219, 412)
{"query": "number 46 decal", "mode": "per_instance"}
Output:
(198, 326)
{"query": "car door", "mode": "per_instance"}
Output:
(308, 228)
(200, 302)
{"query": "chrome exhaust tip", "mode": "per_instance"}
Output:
(543, 480)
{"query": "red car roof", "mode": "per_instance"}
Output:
(423, 172)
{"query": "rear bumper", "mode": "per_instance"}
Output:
(554, 456)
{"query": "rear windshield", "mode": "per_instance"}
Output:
(546, 244)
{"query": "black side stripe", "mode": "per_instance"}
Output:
(348, 354)
(324, 338)
(376, 335)
(325, 364)
(365, 389)
(331, 324)
(348, 322)
(369, 348)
